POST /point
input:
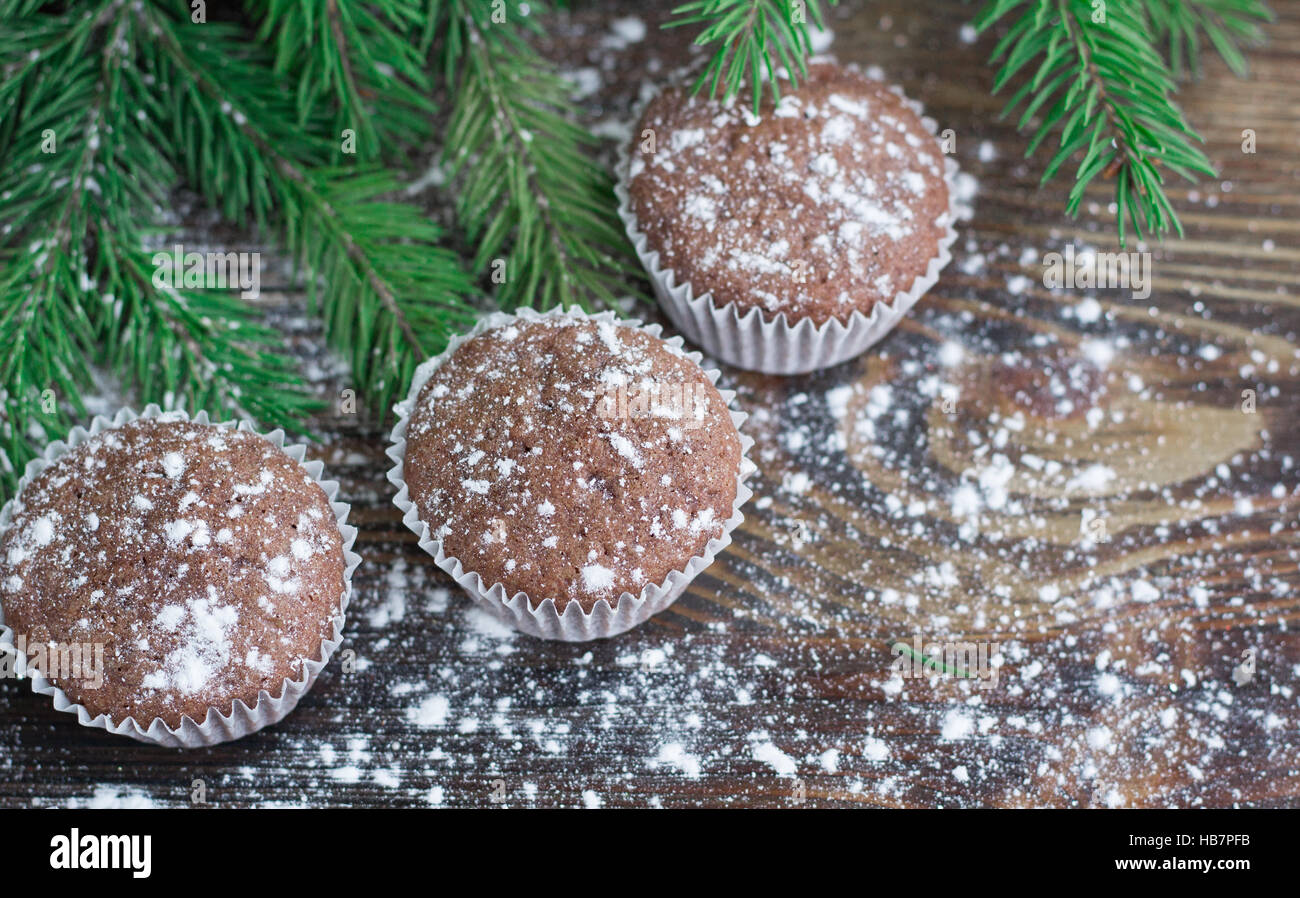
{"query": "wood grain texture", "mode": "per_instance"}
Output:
(938, 488)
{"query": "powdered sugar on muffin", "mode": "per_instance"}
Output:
(570, 459)
(205, 562)
(827, 202)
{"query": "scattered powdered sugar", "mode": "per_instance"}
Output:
(624, 31)
(597, 578)
(874, 749)
(1122, 678)
(43, 531)
(188, 669)
(590, 437)
(627, 449)
(674, 755)
(852, 182)
(1053, 493)
(112, 797)
(173, 464)
(769, 754)
(956, 725)
(393, 609)
(431, 712)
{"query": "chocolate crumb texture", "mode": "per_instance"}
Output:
(205, 561)
(827, 202)
(571, 459)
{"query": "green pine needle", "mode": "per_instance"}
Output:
(756, 41)
(360, 62)
(539, 210)
(82, 181)
(389, 293)
(1227, 25)
(1093, 80)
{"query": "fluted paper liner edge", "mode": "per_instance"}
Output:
(775, 346)
(218, 725)
(545, 621)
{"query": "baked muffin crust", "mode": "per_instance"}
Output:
(206, 562)
(570, 459)
(829, 202)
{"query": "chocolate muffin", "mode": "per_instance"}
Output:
(826, 203)
(571, 459)
(206, 562)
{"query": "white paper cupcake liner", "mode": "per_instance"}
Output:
(546, 621)
(219, 725)
(775, 346)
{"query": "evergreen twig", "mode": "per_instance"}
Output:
(1228, 25)
(389, 293)
(540, 211)
(362, 62)
(755, 40)
(1100, 85)
(81, 182)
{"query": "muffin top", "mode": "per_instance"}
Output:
(206, 563)
(827, 202)
(571, 459)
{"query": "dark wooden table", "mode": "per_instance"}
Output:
(1070, 476)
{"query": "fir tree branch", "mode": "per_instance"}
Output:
(756, 39)
(162, 338)
(1227, 24)
(529, 193)
(389, 294)
(49, 92)
(80, 179)
(361, 62)
(1102, 87)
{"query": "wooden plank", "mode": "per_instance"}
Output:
(935, 489)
